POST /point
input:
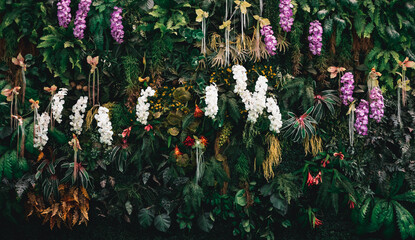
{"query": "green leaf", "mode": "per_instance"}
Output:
(162, 222)
(204, 222)
(408, 196)
(145, 217)
(240, 199)
(59, 136)
(405, 221)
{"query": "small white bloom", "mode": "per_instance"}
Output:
(77, 118)
(57, 104)
(254, 102)
(142, 106)
(275, 115)
(104, 126)
(41, 131)
(211, 101)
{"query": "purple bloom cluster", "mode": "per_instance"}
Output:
(80, 23)
(270, 40)
(362, 118)
(376, 104)
(117, 31)
(316, 37)
(286, 15)
(64, 13)
(346, 91)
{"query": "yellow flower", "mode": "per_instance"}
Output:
(201, 14)
(262, 21)
(226, 24)
(243, 5)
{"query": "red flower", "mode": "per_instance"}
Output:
(126, 132)
(310, 179)
(317, 222)
(198, 112)
(314, 180)
(324, 163)
(351, 204)
(189, 142)
(339, 154)
(148, 127)
(204, 141)
(177, 151)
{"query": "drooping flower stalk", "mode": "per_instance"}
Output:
(286, 15)
(316, 37)
(376, 104)
(200, 146)
(362, 117)
(227, 26)
(243, 6)
(64, 13)
(403, 86)
(80, 18)
(117, 29)
(201, 17)
(34, 106)
(74, 143)
(274, 156)
(93, 62)
(11, 96)
(20, 136)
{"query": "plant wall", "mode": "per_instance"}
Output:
(247, 118)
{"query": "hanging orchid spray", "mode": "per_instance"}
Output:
(93, 62)
(201, 17)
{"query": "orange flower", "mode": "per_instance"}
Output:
(19, 61)
(198, 112)
(335, 70)
(177, 151)
(406, 64)
(9, 93)
(93, 62)
(35, 104)
(373, 73)
(204, 141)
(51, 89)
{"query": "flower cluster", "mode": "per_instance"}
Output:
(80, 22)
(286, 15)
(41, 131)
(117, 31)
(211, 101)
(143, 106)
(362, 119)
(64, 13)
(57, 104)
(346, 92)
(316, 37)
(314, 180)
(254, 103)
(104, 125)
(189, 141)
(270, 40)
(376, 104)
(77, 118)
(275, 117)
